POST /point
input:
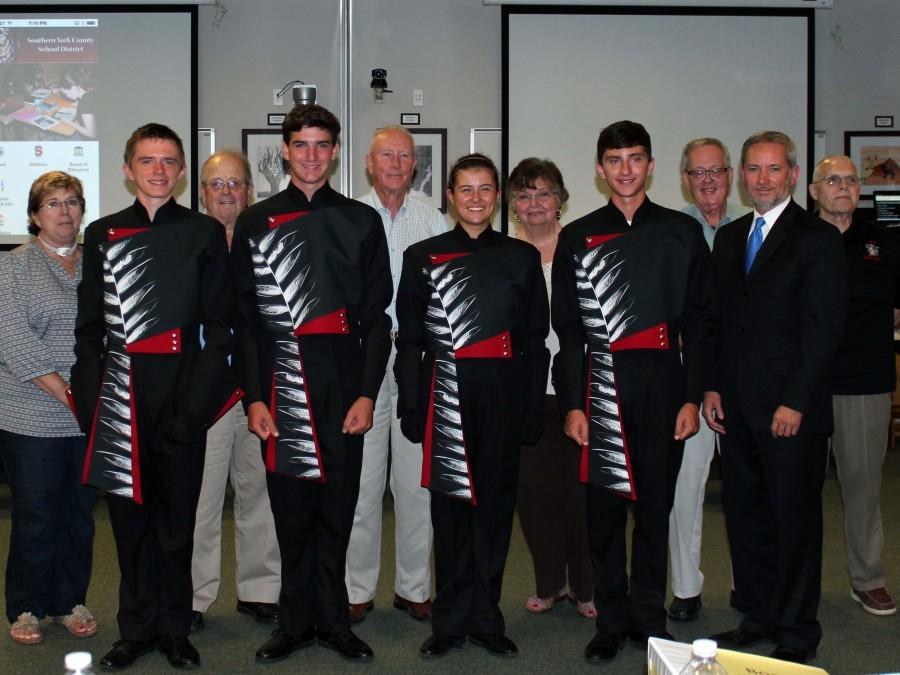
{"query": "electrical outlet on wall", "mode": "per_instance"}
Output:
(276, 99)
(418, 97)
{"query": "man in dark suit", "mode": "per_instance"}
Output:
(781, 280)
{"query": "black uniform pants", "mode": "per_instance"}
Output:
(649, 399)
(155, 540)
(313, 522)
(772, 495)
(471, 542)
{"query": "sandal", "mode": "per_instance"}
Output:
(26, 629)
(538, 605)
(80, 622)
(586, 609)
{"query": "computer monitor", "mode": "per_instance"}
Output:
(887, 207)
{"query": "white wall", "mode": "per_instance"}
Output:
(451, 49)
(857, 69)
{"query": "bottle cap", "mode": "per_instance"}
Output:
(705, 649)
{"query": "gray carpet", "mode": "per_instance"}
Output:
(854, 642)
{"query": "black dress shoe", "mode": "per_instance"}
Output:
(197, 621)
(438, 645)
(685, 609)
(639, 639)
(281, 645)
(498, 645)
(125, 652)
(738, 637)
(179, 651)
(604, 647)
(264, 612)
(347, 645)
(793, 654)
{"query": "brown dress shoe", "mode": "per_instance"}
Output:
(420, 611)
(877, 601)
(358, 610)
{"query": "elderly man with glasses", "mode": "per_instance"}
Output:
(707, 174)
(862, 376)
(231, 449)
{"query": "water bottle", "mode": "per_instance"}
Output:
(79, 663)
(703, 660)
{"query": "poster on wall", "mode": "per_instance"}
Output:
(431, 167)
(877, 158)
(263, 150)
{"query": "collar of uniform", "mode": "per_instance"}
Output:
(487, 238)
(167, 213)
(322, 197)
(640, 215)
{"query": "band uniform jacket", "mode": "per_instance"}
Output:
(313, 282)
(621, 292)
(472, 313)
(780, 324)
(147, 289)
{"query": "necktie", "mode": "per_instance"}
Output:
(754, 244)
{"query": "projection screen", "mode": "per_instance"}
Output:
(682, 73)
(74, 84)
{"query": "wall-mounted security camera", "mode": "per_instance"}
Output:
(379, 84)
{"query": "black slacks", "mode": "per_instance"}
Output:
(313, 522)
(772, 495)
(471, 542)
(155, 540)
(650, 390)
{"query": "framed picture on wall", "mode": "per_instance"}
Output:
(431, 167)
(877, 158)
(263, 150)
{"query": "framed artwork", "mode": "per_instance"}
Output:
(431, 167)
(877, 157)
(263, 150)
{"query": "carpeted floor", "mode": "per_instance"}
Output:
(854, 642)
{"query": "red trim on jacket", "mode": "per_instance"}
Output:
(279, 218)
(167, 342)
(336, 322)
(655, 337)
(439, 258)
(496, 347)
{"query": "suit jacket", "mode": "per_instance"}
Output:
(781, 323)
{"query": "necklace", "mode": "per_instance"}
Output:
(61, 251)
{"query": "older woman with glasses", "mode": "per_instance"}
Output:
(551, 498)
(51, 538)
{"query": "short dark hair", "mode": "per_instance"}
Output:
(473, 161)
(529, 170)
(310, 115)
(623, 134)
(42, 186)
(152, 130)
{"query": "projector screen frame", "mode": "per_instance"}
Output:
(188, 134)
(508, 11)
